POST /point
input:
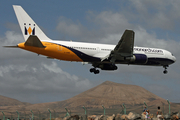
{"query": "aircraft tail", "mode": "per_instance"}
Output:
(27, 25)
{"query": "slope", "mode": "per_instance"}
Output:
(6, 101)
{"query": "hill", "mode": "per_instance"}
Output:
(109, 94)
(112, 94)
(6, 101)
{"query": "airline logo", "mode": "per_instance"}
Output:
(149, 50)
(29, 29)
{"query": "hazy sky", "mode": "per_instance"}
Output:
(31, 78)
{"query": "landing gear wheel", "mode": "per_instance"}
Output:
(165, 71)
(92, 70)
(96, 72)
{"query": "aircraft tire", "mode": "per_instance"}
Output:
(92, 70)
(96, 72)
(165, 71)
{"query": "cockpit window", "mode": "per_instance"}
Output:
(172, 54)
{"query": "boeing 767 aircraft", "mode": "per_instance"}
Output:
(101, 56)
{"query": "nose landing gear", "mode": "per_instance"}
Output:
(94, 71)
(165, 69)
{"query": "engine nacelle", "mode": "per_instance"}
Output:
(141, 58)
(137, 58)
(107, 66)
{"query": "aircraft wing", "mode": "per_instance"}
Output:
(126, 44)
(124, 48)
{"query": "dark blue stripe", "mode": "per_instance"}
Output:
(33, 32)
(159, 61)
(25, 31)
(83, 56)
(150, 61)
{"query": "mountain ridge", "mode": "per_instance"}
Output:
(6, 101)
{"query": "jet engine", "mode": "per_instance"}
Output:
(137, 58)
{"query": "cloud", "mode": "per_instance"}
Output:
(108, 27)
(154, 14)
(68, 27)
(105, 25)
(24, 75)
(109, 22)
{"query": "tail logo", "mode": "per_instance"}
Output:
(30, 30)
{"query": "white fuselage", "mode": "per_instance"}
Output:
(100, 51)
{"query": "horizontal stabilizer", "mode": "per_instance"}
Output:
(11, 46)
(34, 41)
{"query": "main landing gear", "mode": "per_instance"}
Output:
(165, 69)
(94, 71)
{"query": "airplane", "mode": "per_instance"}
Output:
(101, 56)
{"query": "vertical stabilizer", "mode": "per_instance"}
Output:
(27, 25)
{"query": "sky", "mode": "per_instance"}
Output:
(27, 77)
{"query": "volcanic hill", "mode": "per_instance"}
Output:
(111, 94)
(5, 101)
